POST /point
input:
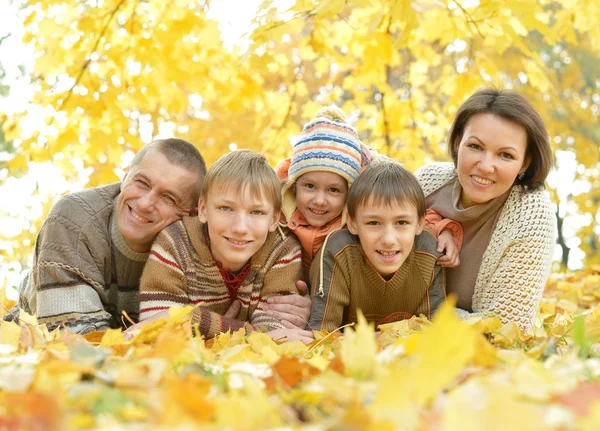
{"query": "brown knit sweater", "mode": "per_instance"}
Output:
(84, 275)
(351, 283)
(181, 270)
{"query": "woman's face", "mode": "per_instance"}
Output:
(491, 153)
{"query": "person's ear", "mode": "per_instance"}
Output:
(352, 227)
(526, 164)
(276, 217)
(202, 210)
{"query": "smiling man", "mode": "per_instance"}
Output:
(92, 248)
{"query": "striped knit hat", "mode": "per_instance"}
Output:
(328, 144)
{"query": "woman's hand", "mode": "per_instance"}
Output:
(292, 311)
(285, 334)
(451, 257)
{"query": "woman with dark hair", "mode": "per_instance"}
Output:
(495, 189)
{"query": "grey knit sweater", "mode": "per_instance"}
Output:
(84, 274)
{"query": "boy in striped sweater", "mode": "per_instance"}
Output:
(232, 251)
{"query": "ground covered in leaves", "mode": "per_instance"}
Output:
(445, 375)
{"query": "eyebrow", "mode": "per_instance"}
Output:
(402, 216)
(224, 201)
(167, 191)
(483, 143)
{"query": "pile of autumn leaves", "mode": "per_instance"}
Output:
(445, 375)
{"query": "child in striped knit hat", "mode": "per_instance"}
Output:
(326, 159)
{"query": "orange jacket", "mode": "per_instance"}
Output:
(311, 237)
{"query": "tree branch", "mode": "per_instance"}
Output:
(86, 64)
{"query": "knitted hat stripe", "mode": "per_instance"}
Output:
(326, 166)
(327, 148)
(313, 161)
(327, 125)
(335, 156)
(329, 138)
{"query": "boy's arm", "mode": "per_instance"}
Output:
(280, 279)
(330, 290)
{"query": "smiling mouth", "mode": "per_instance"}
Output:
(318, 212)
(138, 217)
(238, 242)
(482, 181)
(387, 254)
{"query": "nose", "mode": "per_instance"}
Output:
(319, 198)
(147, 202)
(486, 164)
(388, 239)
(240, 223)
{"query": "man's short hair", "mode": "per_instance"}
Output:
(180, 153)
(384, 183)
(242, 169)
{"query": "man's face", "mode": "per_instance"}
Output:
(238, 224)
(387, 234)
(154, 194)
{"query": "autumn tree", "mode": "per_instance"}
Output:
(111, 74)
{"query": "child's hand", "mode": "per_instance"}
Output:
(451, 257)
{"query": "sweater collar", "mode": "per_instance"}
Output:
(119, 242)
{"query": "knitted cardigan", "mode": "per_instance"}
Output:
(182, 271)
(84, 275)
(516, 263)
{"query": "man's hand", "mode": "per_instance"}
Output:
(286, 334)
(446, 244)
(292, 311)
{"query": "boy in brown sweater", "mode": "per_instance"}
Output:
(385, 265)
(232, 251)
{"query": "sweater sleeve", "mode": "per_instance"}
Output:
(284, 268)
(330, 288)
(65, 283)
(515, 287)
(163, 283)
(438, 224)
(437, 290)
